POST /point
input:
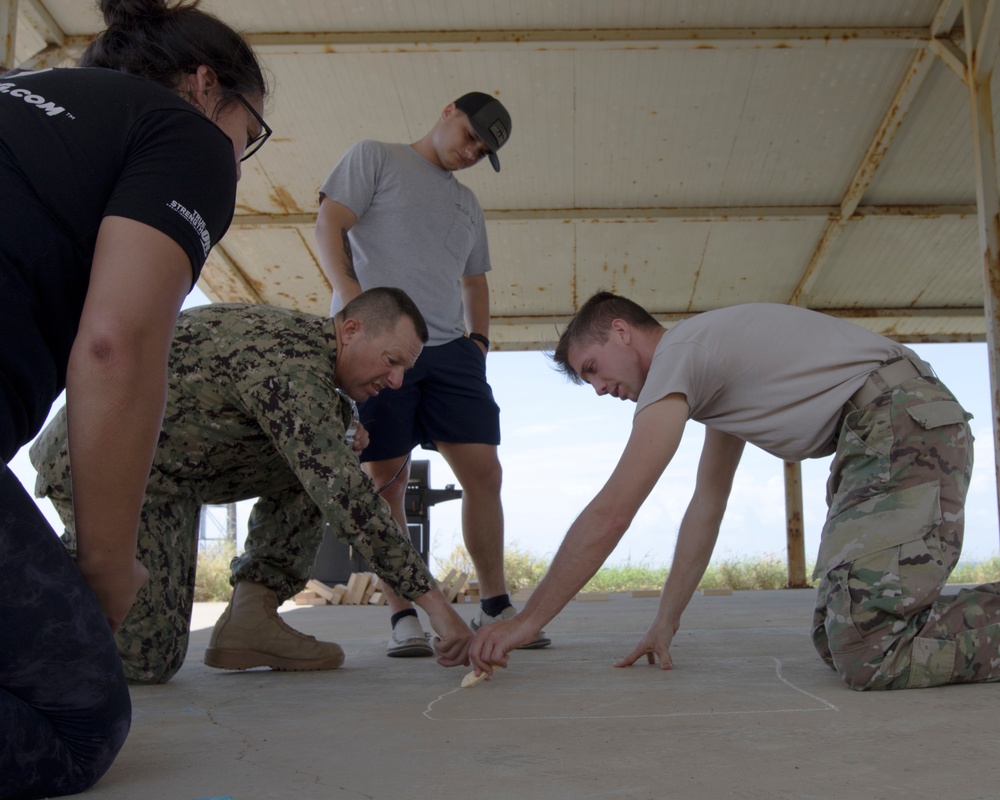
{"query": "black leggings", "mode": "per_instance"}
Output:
(64, 704)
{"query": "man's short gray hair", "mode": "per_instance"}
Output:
(380, 309)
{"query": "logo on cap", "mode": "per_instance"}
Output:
(499, 132)
(489, 119)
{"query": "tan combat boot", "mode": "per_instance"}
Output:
(251, 634)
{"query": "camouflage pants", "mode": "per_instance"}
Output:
(892, 537)
(285, 532)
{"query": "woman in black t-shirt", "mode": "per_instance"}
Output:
(115, 181)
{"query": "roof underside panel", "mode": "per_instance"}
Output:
(905, 263)
(688, 154)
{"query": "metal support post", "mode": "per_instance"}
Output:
(794, 526)
(982, 30)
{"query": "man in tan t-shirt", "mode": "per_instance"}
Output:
(798, 384)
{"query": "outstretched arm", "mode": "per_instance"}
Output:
(656, 433)
(335, 258)
(476, 302)
(696, 539)
(115, 394)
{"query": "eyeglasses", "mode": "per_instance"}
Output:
(254, 143)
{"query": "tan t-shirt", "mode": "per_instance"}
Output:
(776, 376)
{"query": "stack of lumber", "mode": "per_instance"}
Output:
(363, 588)
(453, 586)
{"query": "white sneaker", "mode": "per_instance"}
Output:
(482, 618)
(408, 640)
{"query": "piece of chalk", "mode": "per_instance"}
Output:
(472, 679)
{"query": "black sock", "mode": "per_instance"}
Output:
(493, 606)
(410, 612)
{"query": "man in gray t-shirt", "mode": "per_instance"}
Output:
(798, 384)
(394, 215)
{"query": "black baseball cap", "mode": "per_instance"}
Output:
(489, 120)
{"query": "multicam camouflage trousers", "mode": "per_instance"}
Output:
(285, 531)
(892, 537)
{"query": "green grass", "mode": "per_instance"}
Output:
(524, 571)
(756, 572)
(977, 571)
(521, 568)
(211, 582)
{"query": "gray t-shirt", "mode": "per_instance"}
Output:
(418, 229)
(776, 376)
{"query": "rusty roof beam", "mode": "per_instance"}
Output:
(900, 106)
(601, 38)
(677, 214)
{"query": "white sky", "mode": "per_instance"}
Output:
(561, 442)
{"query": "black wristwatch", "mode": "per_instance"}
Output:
(478, 337)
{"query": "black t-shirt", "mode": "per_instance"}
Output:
(77, 145)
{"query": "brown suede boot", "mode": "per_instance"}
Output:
(251, 634)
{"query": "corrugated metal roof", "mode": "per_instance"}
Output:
(688, 154)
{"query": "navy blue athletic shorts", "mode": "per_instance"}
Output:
(444, 398)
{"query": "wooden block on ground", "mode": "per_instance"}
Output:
(339, 591)
(719, 591)
(320, 588)
(370, 589)
(356, 586)
(646, 593)
(377, 599)
(446, 580)
(309, 599)
(592, 596)
(454, 586)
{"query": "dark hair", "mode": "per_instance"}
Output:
(380, 309)
(163, 41)
(592, 323)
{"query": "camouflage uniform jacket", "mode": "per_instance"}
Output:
(252, 407)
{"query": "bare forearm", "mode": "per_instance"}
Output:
(696, 539)
(476, 304)
(336, 258)
(338, 266)
(114, 410)
(587, 545)
(115, 392)
(699, 529)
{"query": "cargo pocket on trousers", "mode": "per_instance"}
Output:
(884, 521)
(938, 413)
(932, 662)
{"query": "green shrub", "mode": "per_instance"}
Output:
(758, 572)
(977, 572)
(524, 571)
(749, 572)
(211, 582)
(521, 569)
(627, 577)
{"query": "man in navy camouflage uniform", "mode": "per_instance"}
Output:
(256, 407)
(798, 384)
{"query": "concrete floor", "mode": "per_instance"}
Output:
(748, 712)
